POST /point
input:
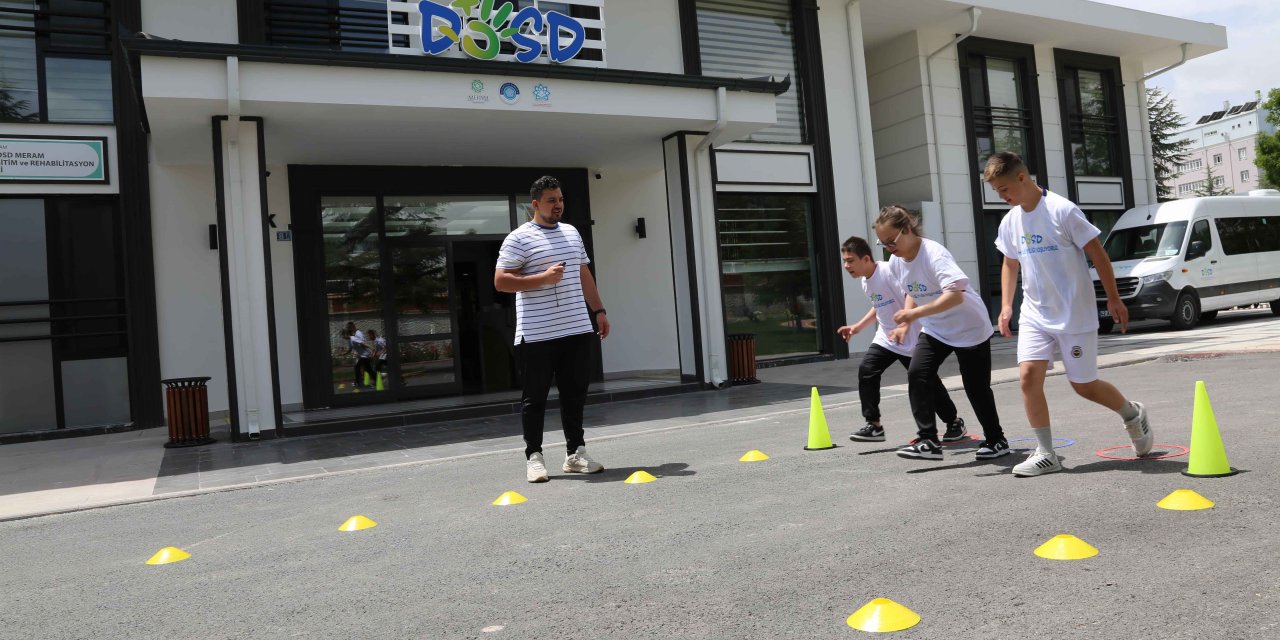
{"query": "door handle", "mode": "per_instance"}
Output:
(1213, 262)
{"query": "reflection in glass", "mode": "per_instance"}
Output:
(79, 90)
(353, 286)
(19, 89)
(420, 216)
(767, 273)
(426, 363)
(421, 276)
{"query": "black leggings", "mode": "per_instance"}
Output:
(875, 361)
(975, 372)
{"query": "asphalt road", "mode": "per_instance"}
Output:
(715, 548)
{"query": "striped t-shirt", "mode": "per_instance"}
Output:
(551, 311)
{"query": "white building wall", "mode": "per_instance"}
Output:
(283, 282)
(643, 35)
(1139, 153)
(1051, 120)
(899, 124)
(188, 280)
(194, 20)
(634, 274)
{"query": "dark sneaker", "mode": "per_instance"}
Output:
(956, 431)
(992, 449)
(869, 433)
(922, 449)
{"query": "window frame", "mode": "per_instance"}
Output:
(42, 32)
(1072, 62)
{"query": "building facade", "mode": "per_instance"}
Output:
(270, 171)
(1223, 143)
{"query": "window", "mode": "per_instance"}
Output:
(1200, 233)
(1244, 176)
(750, 39)
(1218, 181)
(1217, 158)
(352, 25)
(55, 63)
(1093, 128)
(1191, 166)
(1249, 235)
(766, 269)
(1242, 153)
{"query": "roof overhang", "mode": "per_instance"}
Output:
(363, 109)
(1078, 25)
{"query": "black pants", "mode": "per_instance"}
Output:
(875, 362)
(362, 367)
(569, 360)
(975, 372)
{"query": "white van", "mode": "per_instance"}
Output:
(1186, 259)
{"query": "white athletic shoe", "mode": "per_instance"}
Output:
(1038, 464)
(535, 470)
(578, 462)
(1140, 432)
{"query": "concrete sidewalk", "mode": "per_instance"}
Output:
(57, 476)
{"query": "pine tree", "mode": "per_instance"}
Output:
(1268, 146)
(1209, 189)
(1167, 150)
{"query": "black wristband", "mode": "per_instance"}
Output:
(597, 312)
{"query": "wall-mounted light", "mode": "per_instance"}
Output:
(640, 227)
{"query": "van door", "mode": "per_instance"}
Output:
(1237, 268)
(1200, 265)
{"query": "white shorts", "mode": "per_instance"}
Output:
(1079, 351)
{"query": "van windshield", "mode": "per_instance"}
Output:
(1151, 241)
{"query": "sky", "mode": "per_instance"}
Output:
(1248, 64)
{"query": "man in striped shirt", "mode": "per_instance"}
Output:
(544, 262)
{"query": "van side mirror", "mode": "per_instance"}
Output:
(1196, 249)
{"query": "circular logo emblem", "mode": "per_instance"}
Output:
(1076, 352)
(477, 86)
(541, 93)
(510, 93)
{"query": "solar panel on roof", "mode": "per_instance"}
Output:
(1203, 119)
(1236, 109)
(1250, 106)
(1217, 115)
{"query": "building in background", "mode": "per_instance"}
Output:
(1224, 143)
(237, 180)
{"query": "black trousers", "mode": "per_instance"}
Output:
(568, 359)
(975, 373)
(875, 362)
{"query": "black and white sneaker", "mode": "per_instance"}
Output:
(922, 449)
(956, 431)
(869, 433)
(992, 449)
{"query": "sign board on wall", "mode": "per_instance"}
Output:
(53, 159)
(498, 30)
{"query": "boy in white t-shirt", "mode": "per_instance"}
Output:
(1047, 237)
(886, 298)
(954, 320)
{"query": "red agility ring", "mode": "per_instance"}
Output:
(1102, 453)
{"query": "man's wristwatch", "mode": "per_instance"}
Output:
(597, 312)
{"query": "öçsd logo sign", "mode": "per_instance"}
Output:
(480, 28)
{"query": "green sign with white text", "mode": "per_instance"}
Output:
(53, 159)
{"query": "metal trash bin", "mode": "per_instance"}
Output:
(188, 405)
(742, 358)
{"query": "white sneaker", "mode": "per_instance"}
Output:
(578, 462)
(535, 470)
(1140, 432)
(1038, 464)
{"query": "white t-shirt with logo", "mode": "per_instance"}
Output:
(887, 299)
(965, 325)
(554, 310)
(1048, 242)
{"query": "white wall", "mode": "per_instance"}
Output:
(1139, 155)
(283, 284)
(903, 158)
(195, 20)
(634, 275)
(852, 216)
(1051, 119)
(188, 282)
(643, 35)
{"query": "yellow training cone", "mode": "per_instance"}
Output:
(1066, 547)
(378, 385)
(367, 382)
(754, 455)
(640, 477)
(883, 615)
(509, 498)
(1208, 457)
(169, 555)
(357, 523)
(819, 436)
(1185, 500)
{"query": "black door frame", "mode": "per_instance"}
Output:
(307, 183)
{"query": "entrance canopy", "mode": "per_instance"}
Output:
(334, 114)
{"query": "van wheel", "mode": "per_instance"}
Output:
(1186, 313)
(1208, 316)
(1105, 326)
